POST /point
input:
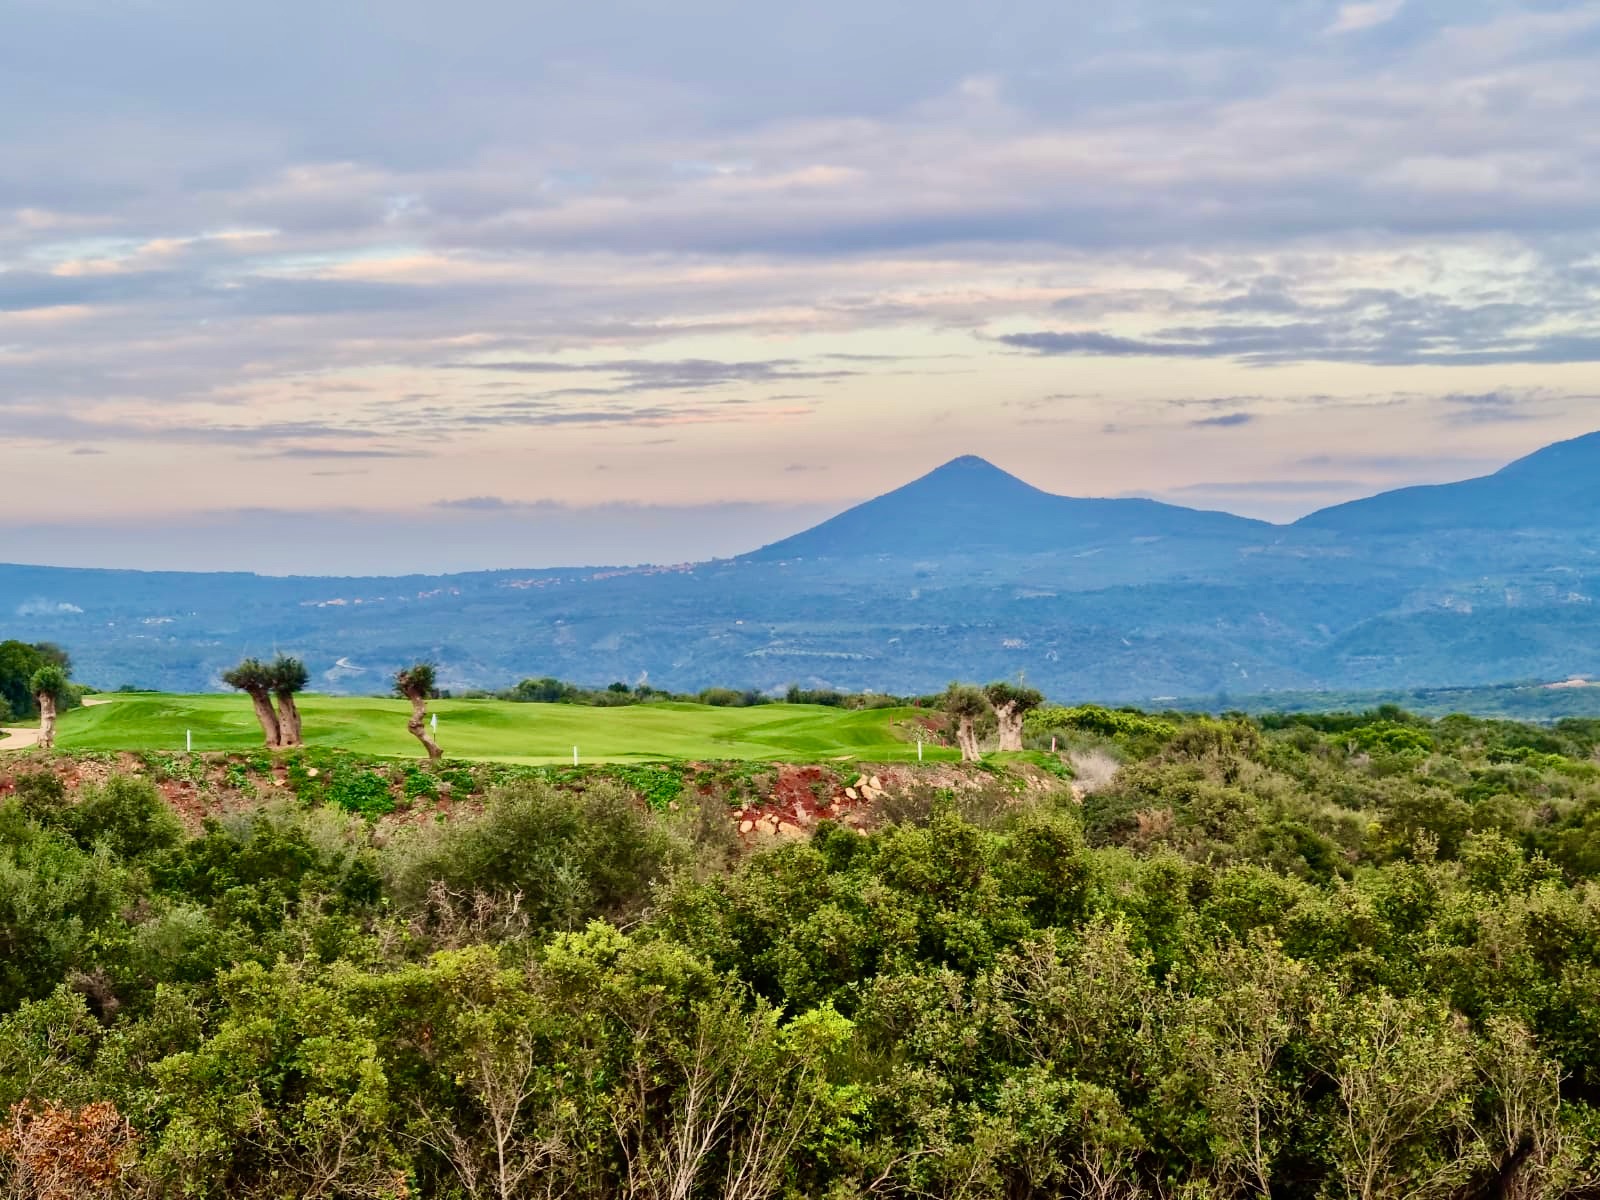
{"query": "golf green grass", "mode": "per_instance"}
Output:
(492, 729)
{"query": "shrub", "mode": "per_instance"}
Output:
(42, 796)
(127, 816)
(566, 858)
(358, 791)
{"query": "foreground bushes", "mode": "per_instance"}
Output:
(1313, 977)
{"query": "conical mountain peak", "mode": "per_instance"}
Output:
(970, 506)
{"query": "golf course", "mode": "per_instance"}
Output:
(505, 731)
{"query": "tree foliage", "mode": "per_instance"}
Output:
(20, 664)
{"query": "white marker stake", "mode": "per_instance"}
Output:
(574, 756)
(436, 722)
(919, 749)
(188, 740)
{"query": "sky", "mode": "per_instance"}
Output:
(402, 286)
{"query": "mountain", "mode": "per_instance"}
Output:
(1554, 488)
(971, 507)
(966, 572)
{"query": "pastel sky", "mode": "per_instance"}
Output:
(398, 285)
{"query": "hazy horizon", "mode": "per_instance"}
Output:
(477, 534)
(304, 287)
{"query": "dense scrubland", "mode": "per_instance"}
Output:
(1315, 956)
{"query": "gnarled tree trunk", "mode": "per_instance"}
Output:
(1009, 718)
(967, 738)
(418, 725)
(268, 718)
(47, 720)
(288, 720)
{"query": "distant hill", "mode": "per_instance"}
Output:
(967, 572)
(971, 507)
(1555, 488)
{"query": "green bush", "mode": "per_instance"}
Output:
(364, 792)
(566, 857)
(126, 815)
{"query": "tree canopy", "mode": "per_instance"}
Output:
(251, 675)
(19, 663)
(287, 675)
(50, 680)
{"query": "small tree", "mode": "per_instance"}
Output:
(415, 683)
(255, 678)
(1011, 705)
(966, 706)
(289, 675)
(50, 688)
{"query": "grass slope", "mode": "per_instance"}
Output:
(489, 729)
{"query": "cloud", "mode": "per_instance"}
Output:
(1225, 421)
(1353, 18)
(337, 452)
(1082, 342)
(481, 504)
(1377, 326)
(1486, 408)
(649, 375)
(1271, 487)
(543, 231)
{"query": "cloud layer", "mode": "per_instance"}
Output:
(391, 256)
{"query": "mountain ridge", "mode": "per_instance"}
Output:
(966, 571)
(1562, 480)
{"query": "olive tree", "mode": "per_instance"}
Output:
(288, 676)
(255, 678)
(966, 706)
(1012, 704)
(416, 683)
(50, 688)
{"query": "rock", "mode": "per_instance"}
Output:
(746, 826)
(313, 772)
(877, 785)
(851, 793)
(787, 830)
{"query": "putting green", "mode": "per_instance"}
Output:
(493, 729)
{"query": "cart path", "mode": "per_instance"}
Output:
(22, 738)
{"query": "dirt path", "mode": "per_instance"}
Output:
(21, 738)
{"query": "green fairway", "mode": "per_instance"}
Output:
(492, 729)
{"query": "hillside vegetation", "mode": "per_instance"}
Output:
(1347, 956)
